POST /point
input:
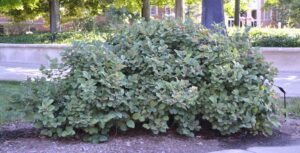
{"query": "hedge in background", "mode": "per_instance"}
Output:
(157, 74)
(46, 38)
(271, 37)
(275, 37)
(262, 37)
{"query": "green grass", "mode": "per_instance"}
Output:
(7, 89)
(293, 106)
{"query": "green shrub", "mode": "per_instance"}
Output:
(88, 98)
(44, 38)
(117, 18)
(275, 37)
(269, 37)
(224, 71)
(156, 74)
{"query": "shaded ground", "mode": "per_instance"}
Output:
(21, 138)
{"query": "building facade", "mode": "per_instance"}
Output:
(256, 16)
(191, 11)
(9, 27)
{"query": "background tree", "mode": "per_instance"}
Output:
(229, 6)
(288, 11)
(54, 16)
(146, 10)
(6, 5)
(51, 10)
(212, 13)
(137, 5)
(237, 13)
(179, 10)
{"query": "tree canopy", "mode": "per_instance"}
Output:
(229, 6)
(73, 9)
(21, 10)
(288, 11)
(136, 5)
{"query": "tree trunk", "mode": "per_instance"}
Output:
(146, 10)
(179, 10)
(212, 13)
(237, 13)
(54, 16)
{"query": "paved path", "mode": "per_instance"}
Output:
(13, 72)
(285, 149)
(290, 81)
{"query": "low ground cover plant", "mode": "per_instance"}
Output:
(156, 74)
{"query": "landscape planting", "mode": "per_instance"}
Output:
(156, 75)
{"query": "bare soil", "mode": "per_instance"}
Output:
(23, 138)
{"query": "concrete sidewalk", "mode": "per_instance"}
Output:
(285, 149)
(290, 81)
(14, 72)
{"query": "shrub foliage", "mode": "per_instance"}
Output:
(156, 74)
(271, 37)
(46, 38)
(260, 37)
(275, 37)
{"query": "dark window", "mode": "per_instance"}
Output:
(167, 10)
(254, 14)
(154, 10)
(254, 24)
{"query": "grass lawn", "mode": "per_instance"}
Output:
(6, 90)
(293, 106)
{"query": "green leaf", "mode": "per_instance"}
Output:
(130, 124)
(162, 106)
(153, 103)
(146, 126)
(86, 75)
(103, 138)
(166, 118)
(213, 99)
(123, 127)
(136, 116)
